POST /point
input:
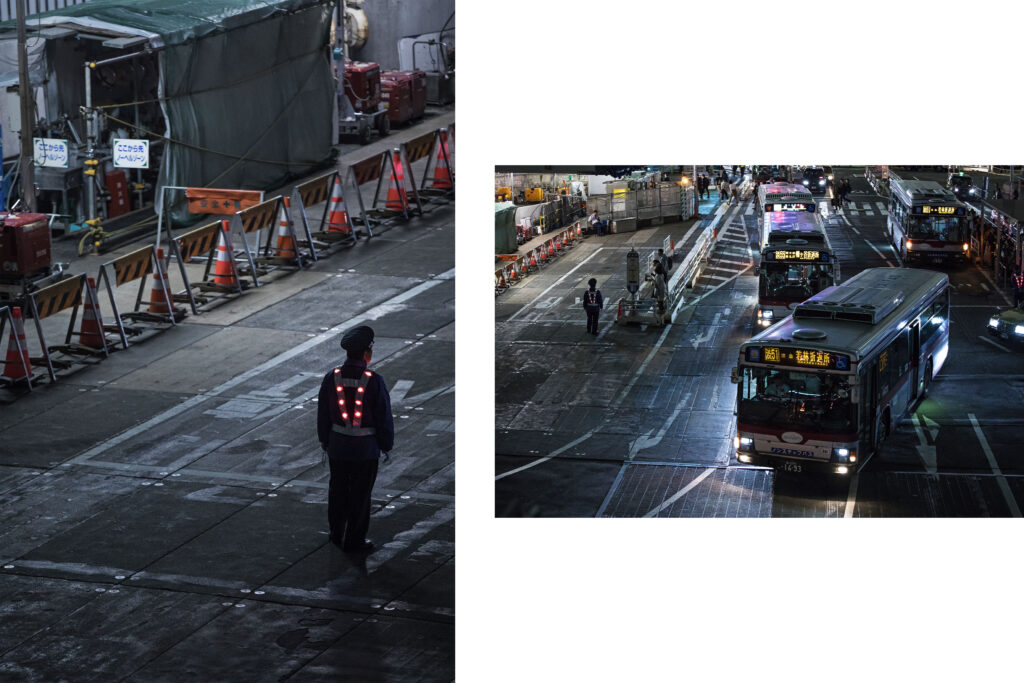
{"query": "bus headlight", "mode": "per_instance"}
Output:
(844, 455)
(842, 470)
(764, 313)
(821, 182)
(744, 458)
(743, 443)
(807, 182)
(910, 243)
(965, 246)
(1019, 329)
(993, 323)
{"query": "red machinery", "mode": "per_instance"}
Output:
(362, 85)
(360, 110)
(405, 93)
(25, 259)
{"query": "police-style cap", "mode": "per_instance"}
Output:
(358, 338)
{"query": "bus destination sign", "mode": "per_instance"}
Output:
(789, 207)
(796, 255)
(805, 358)
(940, 210)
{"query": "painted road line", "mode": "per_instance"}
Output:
(688, 233)
(611, 490)
(882, 207)
(682, 492)
(993, 343)
(1000, 479)
(879, 252)
(159, 419)
(735, 263)
(851, 497)
(625, 392)
(994, 287)
(553, 285)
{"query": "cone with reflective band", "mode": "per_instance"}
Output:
(157, 300)
(512, 274)
(579, 231)
(285, 241)
(397, 197)
(558, 242)
(337, 215)
(442, 174)
(533, 258)
(224, 274)
(17, 367)
(91, 332)
(543, 253)
(551, 248)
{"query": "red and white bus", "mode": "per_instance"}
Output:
(822, 389)
(927, 223)
(797, 262)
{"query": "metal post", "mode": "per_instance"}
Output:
(90, 146)
(28, 119)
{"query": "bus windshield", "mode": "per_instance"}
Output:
(790, 399)
(793, 282)
(945, 228)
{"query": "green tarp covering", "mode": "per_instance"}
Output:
(505, 228)
(247, 86)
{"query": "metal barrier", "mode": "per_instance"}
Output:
(205, 240)
(442, 184)
(52, 300)
(10, 377)
(335, 225)
(138, 265)
(518, 266)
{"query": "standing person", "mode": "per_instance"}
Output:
(593, 302)
(354, 425)
(846, 190)
(665, 260)
(660, 291)
(837, 198)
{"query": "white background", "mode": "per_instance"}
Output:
(597, 82)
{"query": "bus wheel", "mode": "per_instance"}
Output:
(927, 379)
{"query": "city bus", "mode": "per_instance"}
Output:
(822, 390)
(927, 223)
(797, 261)
(784, 197)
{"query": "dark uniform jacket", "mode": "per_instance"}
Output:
(376, 413)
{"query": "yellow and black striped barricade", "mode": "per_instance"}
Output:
(267, 216)
(335, 223)
(204, 240)
(359, 174)
(139, 265)
(438, 182)
(21, 372)
(52, 300)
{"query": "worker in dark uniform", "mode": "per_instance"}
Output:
(354, 425)
(592, 304)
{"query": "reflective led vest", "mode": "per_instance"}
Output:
(351, 422)
(590, 298)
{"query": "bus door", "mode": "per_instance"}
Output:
(915, 353)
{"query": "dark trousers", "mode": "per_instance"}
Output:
(592, 320)
(348, 500)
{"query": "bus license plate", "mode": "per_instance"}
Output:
(938, 259)
(789, 466)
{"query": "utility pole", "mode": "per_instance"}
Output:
(28, 171)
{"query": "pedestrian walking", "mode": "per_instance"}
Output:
(837, 199)
(846, 190)
(354, 425)
(593, 302)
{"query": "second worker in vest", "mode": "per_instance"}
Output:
(592, 304)
(355, 425)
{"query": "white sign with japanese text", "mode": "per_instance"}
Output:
(131, 153)
(50, 152)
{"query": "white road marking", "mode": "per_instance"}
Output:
(882, 207)
(985, 287)
(682, 492)
(851, 497)
(705, 338)
(997, 290)
(1000, 478)
(283, 357)
(553, 285)
(924, 449)
(878, 251)
(993, 343)
(735, 263)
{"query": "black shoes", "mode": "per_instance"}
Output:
(364, 547)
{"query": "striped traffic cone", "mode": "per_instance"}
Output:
(224, 274)
(18, 366)
(91, 332)
(285, 240)
(397, 200)
(442, 174)
(513, 276)
(533, 259)
(158, 302)
(337, 216)
(543, 253)
(558, 242)
(551, 249)
(579, 231)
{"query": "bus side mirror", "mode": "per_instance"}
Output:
(735, 376)
(757, 270)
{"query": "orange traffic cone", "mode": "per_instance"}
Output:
(225, 270)
(672, 244)
(619, 314)
(442, 173)
(501, 279)
(91, 332)
(579, 231)
(533, 259)
(17, 366)
(285, 241)
(397, 197)
(551, 249)
(512, 274)
(337, 216)
(157, 300)
(558, 242)
(543, 253)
